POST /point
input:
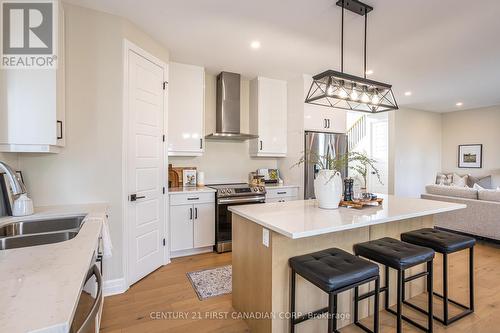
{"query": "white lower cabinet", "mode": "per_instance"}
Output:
(192, 223)
(181, 227)
(204, 225)
(282, 194)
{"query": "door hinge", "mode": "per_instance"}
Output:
(164, 242)
(165, 85)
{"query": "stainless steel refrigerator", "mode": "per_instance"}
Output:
(321, 144)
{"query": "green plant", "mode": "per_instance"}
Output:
(361, 163)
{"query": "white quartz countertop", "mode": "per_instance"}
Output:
(41, 284)
(303, 218)
(187, 190)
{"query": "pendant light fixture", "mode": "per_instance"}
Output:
(344, 91)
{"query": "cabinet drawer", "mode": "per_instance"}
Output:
(281, 192)
(191, 198)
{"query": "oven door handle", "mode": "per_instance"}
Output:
(241, 200)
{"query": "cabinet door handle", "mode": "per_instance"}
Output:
(190, 213)
(281, 192)
(59, 130)
(196, 213)
(260, 144)
(193, 198)
(201, 143)
(328, 121)
(325, 123)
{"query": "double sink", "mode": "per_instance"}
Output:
(39, 232)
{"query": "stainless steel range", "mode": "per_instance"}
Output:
(231, 195)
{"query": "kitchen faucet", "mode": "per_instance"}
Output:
(23, 205)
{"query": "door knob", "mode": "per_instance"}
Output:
(134, 197)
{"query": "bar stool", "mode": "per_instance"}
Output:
(333, 271)
(400, 256)
(445, 243)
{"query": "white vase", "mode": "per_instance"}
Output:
(328, 189)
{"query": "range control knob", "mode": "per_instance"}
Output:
(255, 189)
(223, 191)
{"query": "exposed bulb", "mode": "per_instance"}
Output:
(342, 92)
(354, 93)
(330, 90)
(364, 96)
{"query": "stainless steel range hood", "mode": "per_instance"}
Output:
(227, 117)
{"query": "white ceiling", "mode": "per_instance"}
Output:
(444, 51)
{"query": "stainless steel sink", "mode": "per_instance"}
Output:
(36, 239)
(41, 226)
(39, 232)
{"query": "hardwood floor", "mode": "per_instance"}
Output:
(168, 290)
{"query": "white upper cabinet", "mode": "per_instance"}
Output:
(324, 119)
(32, 105)
(321, 118)
(268, 117)
(186, 110)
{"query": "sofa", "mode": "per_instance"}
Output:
(481, 217)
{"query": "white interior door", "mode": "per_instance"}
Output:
(379, 131)
(145, 167)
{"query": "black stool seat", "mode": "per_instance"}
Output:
(333, 269)
(394, 253)
(438, 240)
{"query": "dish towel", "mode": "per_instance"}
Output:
(107, 246)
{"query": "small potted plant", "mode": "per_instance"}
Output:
(361, 163)
(328, 185)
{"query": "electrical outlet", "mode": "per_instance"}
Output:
(265, 237)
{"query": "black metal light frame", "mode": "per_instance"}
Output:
(344, 91)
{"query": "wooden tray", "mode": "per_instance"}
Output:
(360, 204)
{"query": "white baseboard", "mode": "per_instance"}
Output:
(114, 287)
(190, 252)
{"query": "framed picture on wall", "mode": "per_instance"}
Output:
(470, 156)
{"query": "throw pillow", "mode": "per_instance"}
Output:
(477, 187)
(484, 182)
(459, 181)
(444, 179)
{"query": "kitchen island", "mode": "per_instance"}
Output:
(266, 236)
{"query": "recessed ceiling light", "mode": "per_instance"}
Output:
(459, 104)
(255, 44)
(369, 72)
(408, 93)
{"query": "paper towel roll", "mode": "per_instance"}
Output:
(200, 178)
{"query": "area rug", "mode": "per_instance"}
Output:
(211, 282)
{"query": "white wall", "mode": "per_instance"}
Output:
(414, 151)
(89, 169)
(10, 158)
(225, 162)
(469, 127)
